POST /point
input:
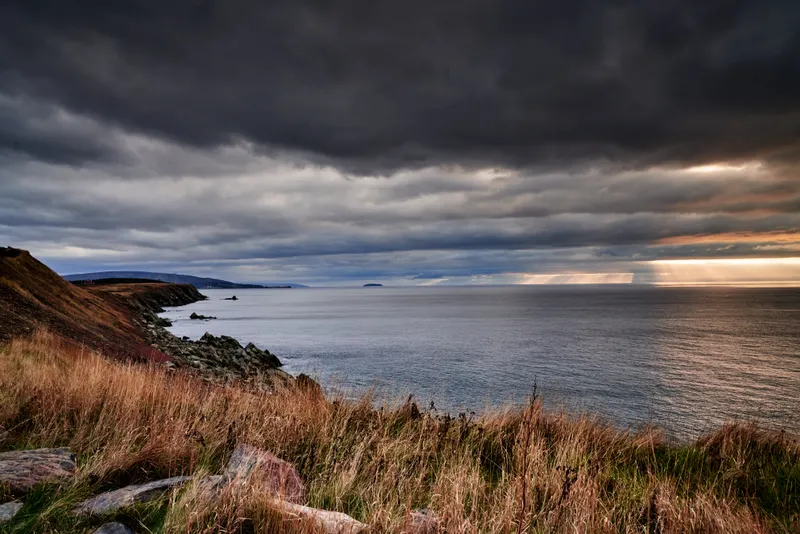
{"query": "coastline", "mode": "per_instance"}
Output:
(217, 359)
(119, 318)
(319, 332)
(524, 469)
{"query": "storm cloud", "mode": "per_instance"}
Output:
(380, 85)
(420, 140)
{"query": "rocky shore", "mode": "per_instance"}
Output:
(217, 359)
(220, 359)
(121, 320)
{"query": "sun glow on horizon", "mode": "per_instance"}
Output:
(724, 167)
(576, 278)
(773, 272)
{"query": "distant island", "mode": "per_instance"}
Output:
(372, 285)
(196, 281)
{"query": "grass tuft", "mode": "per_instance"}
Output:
(516, 470)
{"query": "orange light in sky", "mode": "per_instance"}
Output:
(725, 167)
(733, 237)
(575, 278)
(728, 271)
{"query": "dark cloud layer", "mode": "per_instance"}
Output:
(471, 141)
(375, 86)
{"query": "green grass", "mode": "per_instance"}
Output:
(517, 470)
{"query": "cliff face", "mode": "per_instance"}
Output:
(108, 318)
(120, 320)
(32, 295)
(149, 297)
(217, 359)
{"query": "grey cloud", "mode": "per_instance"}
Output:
(405, 139)
(375, 87)
(303, 208)
(44, 131)
(278, 210)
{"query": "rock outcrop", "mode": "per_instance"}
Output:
(111, 501)
(222, 359)
(309, 386)
(248, 465)
(251, 465)
(150, 297)
(9, 510)
(21, 470)
(278, 477)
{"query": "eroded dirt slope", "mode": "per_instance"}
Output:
(106, 317)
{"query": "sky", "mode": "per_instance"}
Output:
(411, 143)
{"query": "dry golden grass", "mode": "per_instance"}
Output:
(511, 471)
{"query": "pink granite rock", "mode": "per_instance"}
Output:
(250, 464)
(21, 470)
(113, 528)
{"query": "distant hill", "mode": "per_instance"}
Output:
(196, 281)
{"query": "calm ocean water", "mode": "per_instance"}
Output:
(684, 359)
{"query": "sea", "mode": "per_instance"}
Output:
(683, 359)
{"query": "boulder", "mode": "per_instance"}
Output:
(112, 501)
(262, 357)
(113, 528)
(250, 464)
(21, 470)
(278, 476)
(9, 510)
(327, 521)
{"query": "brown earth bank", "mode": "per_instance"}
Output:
(120, 320)
(33, 296)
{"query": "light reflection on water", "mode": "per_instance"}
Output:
(685, 359)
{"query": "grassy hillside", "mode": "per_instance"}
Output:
(31, 295)
(107, 318)
(512, 471)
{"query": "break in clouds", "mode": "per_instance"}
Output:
(424, 142)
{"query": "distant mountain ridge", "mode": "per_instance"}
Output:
(196, 281)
